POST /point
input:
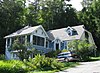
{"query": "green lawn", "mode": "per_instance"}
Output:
(94, 58)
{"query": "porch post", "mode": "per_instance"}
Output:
(59, 45)
(31, 39)
(6, 43)
(25, 39)
(45, 42)
(54, 46)
(10, 41)
(48, 44)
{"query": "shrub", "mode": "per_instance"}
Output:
(64, 50)
(12, 67)
(43, 63)
(23, 51)
(53, 54)
(82, 48)
(2, 57)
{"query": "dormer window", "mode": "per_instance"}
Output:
(71, 31)
(74, 32)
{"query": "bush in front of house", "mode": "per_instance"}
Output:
(64, 50)
(2, 57)
(83, 49)
(12, 66)
(53, 54)
(43, 63)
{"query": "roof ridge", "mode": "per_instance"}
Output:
(65, 27)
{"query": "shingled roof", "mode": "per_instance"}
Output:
(63, 35)
(23, 31)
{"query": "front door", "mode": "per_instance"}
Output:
(57, 46)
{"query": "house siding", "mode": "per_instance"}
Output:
(42, 49)
(62, 45)
(51, 45)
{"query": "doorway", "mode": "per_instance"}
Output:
(57, 46)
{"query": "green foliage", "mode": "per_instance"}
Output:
(82, 49)
(90, 17)
(53, 54)
(23, 52)
(64, 50)
(12, 18)
(43, 63)
(51, 13)
(12, 66)
(2, 57)
(39, 63)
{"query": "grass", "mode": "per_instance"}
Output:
(42, 72)
(94, 58)
(66, 66)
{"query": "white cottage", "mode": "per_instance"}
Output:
(34, 35)
(61, 37)
(47, 41)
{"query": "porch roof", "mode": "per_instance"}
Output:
(23, 31)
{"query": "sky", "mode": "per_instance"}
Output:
(75, 4)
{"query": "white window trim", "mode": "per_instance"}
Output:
(55, 42)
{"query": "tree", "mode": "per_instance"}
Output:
(86, 3)
(12, 16)
(51, 14)
(90, 17)
(82, 48)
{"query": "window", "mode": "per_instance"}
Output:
(21, 39)
(34, 40)
(13, 40)
(69, 33)
(28, 38)
(8, 42)
(38, 40)
(42, 42)
(74, 32)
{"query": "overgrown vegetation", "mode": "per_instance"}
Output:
(2, 57)
(53, 54)
(43, 63)
(37, 64)
(83, 49)
(12, 66)
(23, 51)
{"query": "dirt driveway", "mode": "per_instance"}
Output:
(85, 67)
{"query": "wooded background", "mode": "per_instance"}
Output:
(52, 14)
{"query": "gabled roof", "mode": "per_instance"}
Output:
(25, 30)
(63, 35)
